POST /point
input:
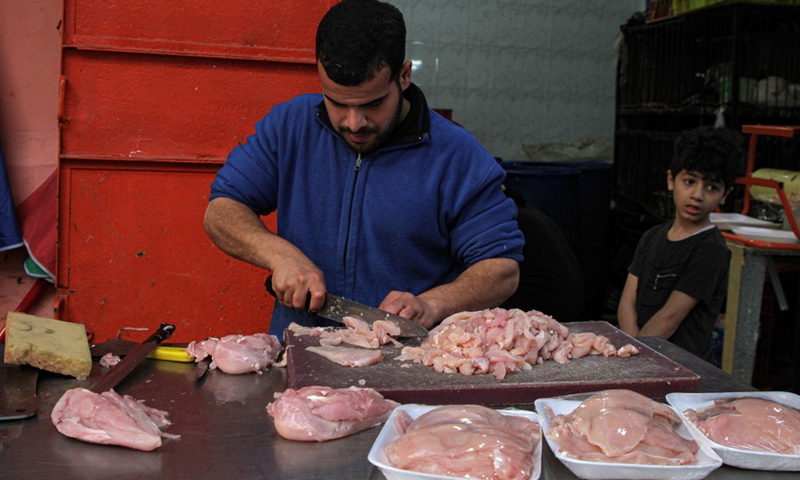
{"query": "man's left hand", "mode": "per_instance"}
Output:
(411, 307)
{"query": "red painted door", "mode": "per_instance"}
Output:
(154, 95)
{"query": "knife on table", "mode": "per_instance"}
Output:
(133, 358)
(336, 308)
(17, 391)
(202, 368)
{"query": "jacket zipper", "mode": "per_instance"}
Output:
(356, 167)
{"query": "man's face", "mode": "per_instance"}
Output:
(695, 196)
(365, 115)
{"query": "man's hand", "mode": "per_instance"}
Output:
(299, 285)
(486, 284)
(239, 232)
(409, 306)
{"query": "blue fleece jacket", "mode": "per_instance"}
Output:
(412, 215)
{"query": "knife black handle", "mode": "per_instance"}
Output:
(121, 370)
(268, 286)
(164, 332)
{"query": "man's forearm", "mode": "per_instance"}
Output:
(239, 232)
(486, 284)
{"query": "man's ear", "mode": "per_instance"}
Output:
(405, 75)
(670, 180)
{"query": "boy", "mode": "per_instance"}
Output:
(678, 278)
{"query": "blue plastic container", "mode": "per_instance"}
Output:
(594, 199)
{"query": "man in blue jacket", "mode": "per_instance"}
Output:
(379, 199)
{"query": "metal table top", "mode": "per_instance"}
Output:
(226, 432)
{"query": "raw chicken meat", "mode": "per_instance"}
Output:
(323, 413)
(348, 357)
(109, 419)
(237, 354)
(109, 360)
(588, 343)
(385, 330)
(500, 341)
(358, 333)
(468, 441)
(750, 424)
(622, 426)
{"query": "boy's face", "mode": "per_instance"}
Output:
(695, 197)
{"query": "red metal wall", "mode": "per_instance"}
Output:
(155, 94)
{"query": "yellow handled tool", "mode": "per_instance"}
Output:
(171, 354)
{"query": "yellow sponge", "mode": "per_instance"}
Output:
(52, 345)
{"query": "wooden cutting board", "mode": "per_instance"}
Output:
(648, 373)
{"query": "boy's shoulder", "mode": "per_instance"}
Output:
(708, 244)
(704, 241)
(655, 232)
(712, 239)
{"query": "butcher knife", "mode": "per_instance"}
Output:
(133, 358)
(336, 308)
(18, 391)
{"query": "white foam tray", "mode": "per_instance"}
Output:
(707, 460)
(726, 221)
(736, 457)
(389, 433)
(766, 234)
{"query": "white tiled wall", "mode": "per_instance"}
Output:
(519, 71)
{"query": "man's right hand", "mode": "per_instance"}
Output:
(238, 231)
(299, 285)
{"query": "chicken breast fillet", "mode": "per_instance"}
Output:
(110, 419)
(318, 414)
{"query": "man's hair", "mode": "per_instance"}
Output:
(357, 38)
(716, 153)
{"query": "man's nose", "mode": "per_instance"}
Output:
(355, 119)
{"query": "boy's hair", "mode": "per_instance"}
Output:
(716, 153)
(357, 38)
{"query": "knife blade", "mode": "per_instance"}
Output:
(336, 308)
(133, 358)
(18, 391)
(201, 368)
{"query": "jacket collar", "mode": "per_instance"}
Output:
(414, 127)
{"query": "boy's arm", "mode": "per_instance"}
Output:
(667, 320)
(626, 311)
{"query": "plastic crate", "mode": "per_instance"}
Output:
(680, 7)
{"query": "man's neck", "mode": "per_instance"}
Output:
(406, 108)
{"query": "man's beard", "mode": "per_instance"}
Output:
(382, 135)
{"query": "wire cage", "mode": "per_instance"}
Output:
(693, 62)
(678, 74)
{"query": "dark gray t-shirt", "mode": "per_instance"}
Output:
(697, 266)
